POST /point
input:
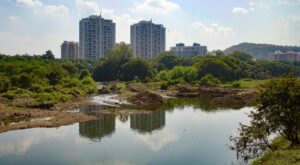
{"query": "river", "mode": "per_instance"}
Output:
(183, 132)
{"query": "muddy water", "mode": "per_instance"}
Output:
(183, 132)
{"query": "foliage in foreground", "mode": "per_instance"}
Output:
(278, 113)
(40, 79)
(283, 154)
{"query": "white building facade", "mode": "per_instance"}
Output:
(147, 39)
(97, 36)
(189, 51)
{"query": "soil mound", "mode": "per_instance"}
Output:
(146, 99)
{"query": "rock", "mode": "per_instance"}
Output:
(146, 99)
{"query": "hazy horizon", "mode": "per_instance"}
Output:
(34, 26)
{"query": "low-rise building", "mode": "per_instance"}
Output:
(69, 50)
(289, 56)
(189, 51)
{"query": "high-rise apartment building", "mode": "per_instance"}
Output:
(69, 50)
(147, 39)
(97, 36)
(189, 51)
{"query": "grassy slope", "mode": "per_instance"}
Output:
(245, 83)
(283, 155)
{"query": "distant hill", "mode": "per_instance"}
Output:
(260, 51)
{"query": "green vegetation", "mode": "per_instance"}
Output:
(41, 79)
(120, 64)
(283, 154)
(33, 81)
(278, 113)
(169, 69)
(244, 83)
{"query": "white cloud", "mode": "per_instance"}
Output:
(24, 140)
(39, 7)
(288, 1)
(29, 3)
(56, 10)
(156, 7)
(293, 18)
(213, 29)
(123, 23)
(251, 7)
(14, 19)
(158, 140)
(238, 10)
(90, 6)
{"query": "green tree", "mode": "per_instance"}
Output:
(136, 67)
(48, 55)
(216, 68)
(109, 68)
(70, 67)
(56, 74)
(4, 84)
(84, 73)
(209, 80)
(166, 60)
(243, 56)
(278, 112)
(217, 53)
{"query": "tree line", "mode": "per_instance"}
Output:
(120, 64)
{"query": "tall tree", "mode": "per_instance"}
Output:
(278, 112)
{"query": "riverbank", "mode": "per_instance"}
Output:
(227, 97)
(13, 117)
(284, 154)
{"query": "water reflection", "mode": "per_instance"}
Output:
(89, 109)
(95, 130)
(183, 135)
(123, 117)
(147, 122)
(196, 103)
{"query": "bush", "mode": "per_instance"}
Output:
(84, 73)
(36, 88)
(164, 86)
(236, 85)
(209, 80)
(4, 84)
(179, 74)
(89, 85)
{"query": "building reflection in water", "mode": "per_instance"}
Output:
(95, 130)
(89, 109)
(147, 122)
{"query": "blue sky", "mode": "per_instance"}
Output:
(34, 26)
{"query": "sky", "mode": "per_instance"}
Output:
(34, 26)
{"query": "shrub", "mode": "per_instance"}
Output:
(84, 73)
(4, 84)
(209, 80)
(236, 85)
(36, 88)
(164, 86)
